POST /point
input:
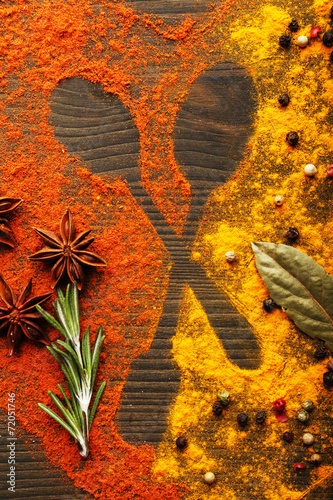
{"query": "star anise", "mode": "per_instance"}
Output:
(6, 206)
(19, 316)
(67, 252)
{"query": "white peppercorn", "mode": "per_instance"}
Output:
(316, 458)
(310, 170)
(302, 41)
(230, 257)
(209, 478)
(278, 200)
(308, 439)
(308, 405)
(302, 415)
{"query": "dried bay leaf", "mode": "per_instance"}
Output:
(300, 286)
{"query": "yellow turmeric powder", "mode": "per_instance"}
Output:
(255, 462)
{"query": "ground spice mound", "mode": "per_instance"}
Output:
(150, 66)
(255, 462)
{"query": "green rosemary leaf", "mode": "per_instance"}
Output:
(76, 407)
(74, 298)
(64, 411)
(300, 286)
(54, 354)
(96, 401)
(58, 419)
(69, 314)
(73, 354)
(60, 294)
(86, 353)
(67, 401)
(51, 320)
(96, 354)
(62, 317)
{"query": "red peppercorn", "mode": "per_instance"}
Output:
(279, 404)
(298, 466)
(329, 171)
(315, 30)
(288, 436)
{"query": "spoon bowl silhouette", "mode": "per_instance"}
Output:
(213, 126)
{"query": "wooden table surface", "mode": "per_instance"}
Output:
(214, 124)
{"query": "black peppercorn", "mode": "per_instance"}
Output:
(292, 138)
(242, 419)
(321, 352)
(328, 379)
(329, 365)
(288, 436)
(284, 41)
(328, 39)
(269, 305)
(217, 408)
(181, 442)
(293, 25)
(261, 417)
(331, 57)
(284, 100)
(292, 233)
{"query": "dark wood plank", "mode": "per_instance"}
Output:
(35, 477)
(212, 129)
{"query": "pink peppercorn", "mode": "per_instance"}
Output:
(279, 404)
(330, 171)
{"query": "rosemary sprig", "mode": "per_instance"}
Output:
(79, 363)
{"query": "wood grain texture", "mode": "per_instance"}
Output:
(171, 11)
(36, 478)
(211, 132)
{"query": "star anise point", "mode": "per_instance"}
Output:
(67, 252)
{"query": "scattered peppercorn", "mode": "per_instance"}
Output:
(292, 233)
(279, 404)
(269, 305)
(284, 41)
(329, 365)
(321, 352)
(288, 436)
(308, 439)
(230, 257)
(329, 171)
(278, 200)
(302, 41)
(224, 397)
(328, 379)
(310, 170)
(302, 415)
(328, 39)
(292, 138)
(331, 57)
(181, 442)
(242, 419)
(284, 100)
(261, 417)
(314, 32)
(217, 408)
(308, 405)
(298, 467)
(209, 478)
(293, 25)
(316, 459)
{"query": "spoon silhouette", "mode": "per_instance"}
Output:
(211, 131)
